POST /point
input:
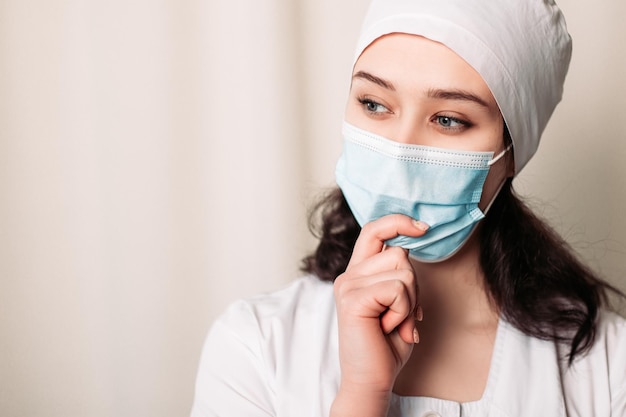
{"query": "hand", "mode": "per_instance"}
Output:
(376, 299)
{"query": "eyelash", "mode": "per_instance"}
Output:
(365, 102)
(464, 123)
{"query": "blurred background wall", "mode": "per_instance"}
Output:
(157, 159)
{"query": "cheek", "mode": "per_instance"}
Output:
(496, 177)
(356, 116)
(351, 113)
(492, 136)
(487, 134)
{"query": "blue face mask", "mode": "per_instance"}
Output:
(440, 187)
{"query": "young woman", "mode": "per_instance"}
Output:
(434, 289)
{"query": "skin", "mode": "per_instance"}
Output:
(413, 90)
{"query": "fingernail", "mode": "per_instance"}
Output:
(419, 313)
(416, 336)
(420, 225)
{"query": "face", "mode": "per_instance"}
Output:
(416, 91)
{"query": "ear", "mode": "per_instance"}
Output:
(510, 155)
(510, 163)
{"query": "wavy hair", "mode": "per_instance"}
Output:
(533, 276)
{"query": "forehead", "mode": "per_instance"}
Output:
(414, 62)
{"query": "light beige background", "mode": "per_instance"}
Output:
(156, 160)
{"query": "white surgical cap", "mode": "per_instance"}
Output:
(521, 49)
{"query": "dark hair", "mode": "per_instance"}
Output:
(531, 273)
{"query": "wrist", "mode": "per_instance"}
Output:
(358, 402)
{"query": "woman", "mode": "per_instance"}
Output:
(434, 290)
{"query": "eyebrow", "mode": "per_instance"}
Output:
(456, 95)
(440, 94)
(374, 79)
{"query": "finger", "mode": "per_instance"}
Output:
(392, 258)
(404, 347)
(394, 297)
(408, 330)
(374, 234)
(375, 270)
(386, 301)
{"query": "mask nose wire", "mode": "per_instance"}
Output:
(500, 155)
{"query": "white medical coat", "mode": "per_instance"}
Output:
(276, 355)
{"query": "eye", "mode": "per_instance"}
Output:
(449, 123)
(372, 106)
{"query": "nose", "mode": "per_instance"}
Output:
(409, 132)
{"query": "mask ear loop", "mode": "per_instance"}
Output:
(493, 161)
(500, 155)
